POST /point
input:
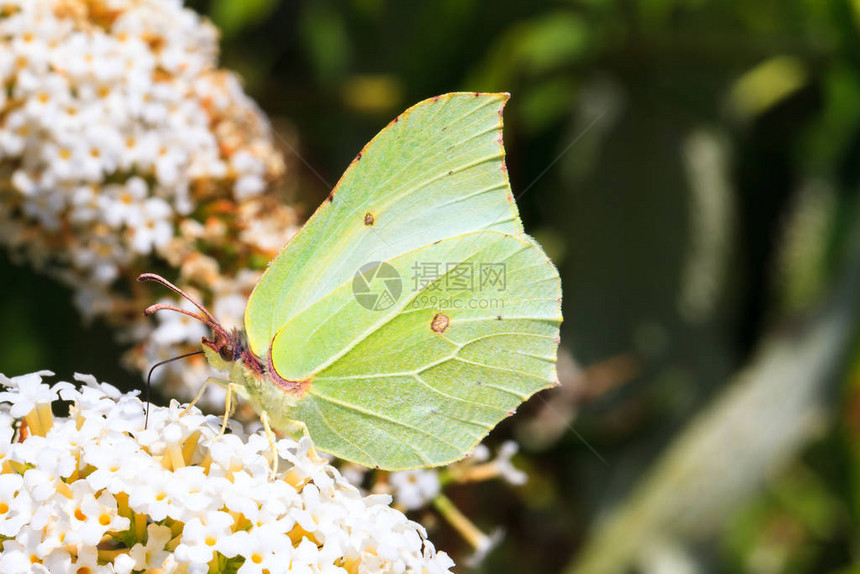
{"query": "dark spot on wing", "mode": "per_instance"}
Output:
(330, 197)
(440, 322)
(499, 317)
(358, 157)
(368, 219)
(450, 172)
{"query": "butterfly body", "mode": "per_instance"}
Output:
(254, 378)
(347, 335)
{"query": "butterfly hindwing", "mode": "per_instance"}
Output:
(421, 382)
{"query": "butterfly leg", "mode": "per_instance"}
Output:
(264, 418)
(200, 392)
(229, 405)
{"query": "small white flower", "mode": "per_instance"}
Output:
(152, 226)
(103, 395)
(93, 300)
(121, 203)
(64, 158)
(85, 560)
(480, 453)
(486, 545)
(15, 557)
(505, 465)
(45, 95)
(202, 537)
(16, 505)
(107, 462)
(27, 391)
(305, 467)
(101, 255)
(40, 485)
(92, 516)
(168, 162)
(85, 204)
(414, 489)
(46, 208)
(56, 460)
(153, 498)
(123, 564)
(354, 473)
(15, 134)
(261, 546)
(153, 553)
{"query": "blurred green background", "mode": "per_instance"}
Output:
(692, 167)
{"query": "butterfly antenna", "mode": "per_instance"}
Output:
(206, 316)
(149, 378)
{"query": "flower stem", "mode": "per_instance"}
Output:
(467, 529)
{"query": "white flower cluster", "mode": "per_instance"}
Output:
(96, 492)
(109, 120)
(124, 148)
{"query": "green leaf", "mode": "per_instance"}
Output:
(324, 35)
(231, 16)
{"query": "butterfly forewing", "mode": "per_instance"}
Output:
(435, 172)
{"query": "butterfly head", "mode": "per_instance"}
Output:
(228, 347)
(221, 349)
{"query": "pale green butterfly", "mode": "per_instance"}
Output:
(411, 313)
